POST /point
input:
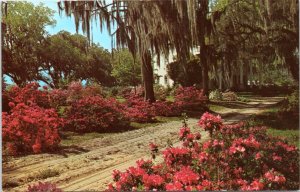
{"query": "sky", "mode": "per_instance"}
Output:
(66, 23)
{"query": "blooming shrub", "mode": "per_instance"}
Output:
(168, 109)
(30, 94)
(30, 129)
(210, 123)
(236, 157)
(189, 96)
(95, 114)
(43, 187)
(76, 91)
(139, 110)
(58, 98)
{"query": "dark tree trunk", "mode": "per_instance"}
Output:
(147, 73)
(204, 66)
(293, 66)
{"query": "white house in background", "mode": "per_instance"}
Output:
(161, 70)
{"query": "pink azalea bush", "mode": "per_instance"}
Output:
(29, 94)
(235, 157)
(138, 110)
(189, 96)
(30, 129)
(95, 113)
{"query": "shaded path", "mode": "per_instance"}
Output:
(91, 168)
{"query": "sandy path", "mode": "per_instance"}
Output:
(91, 167)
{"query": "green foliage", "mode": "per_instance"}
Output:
(216, 95)
(186, 74)
(160, 92)
(23, 30)
(126, 70)
(68, 57)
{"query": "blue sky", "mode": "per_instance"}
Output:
(66, 23)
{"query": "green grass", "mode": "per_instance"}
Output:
(120, 99)
(71, 138)
(216, 108)
(159, 120)
(292, 136)
(170, 98)
(279, 125)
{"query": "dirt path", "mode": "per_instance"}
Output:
(90, 166)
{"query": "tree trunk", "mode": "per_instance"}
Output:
(293, 64)
(242, 86)
(203, 61)
(220, 78)
(251, 74)
(147, 73)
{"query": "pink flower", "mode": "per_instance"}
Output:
(11, 104)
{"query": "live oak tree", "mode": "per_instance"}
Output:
(69, 57)
(23, 33)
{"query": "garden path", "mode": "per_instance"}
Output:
(90, 166)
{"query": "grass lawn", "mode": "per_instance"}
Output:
(216, 108)
(277, 125)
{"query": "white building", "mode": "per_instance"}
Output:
(161, 70)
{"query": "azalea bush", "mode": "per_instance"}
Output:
(30, 93)
(30, 129)
(190, 96)
(235, 157)
(95, 113)
(167, 109)
(77, 91)
(139, 110)
(58, 98)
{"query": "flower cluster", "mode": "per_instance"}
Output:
(210, 122)
(238, 157)
(30, 129)
(30, 94)
(190, 96)
(95, 114)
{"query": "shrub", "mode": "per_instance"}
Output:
(229, 96)
(160, 92)
(30, 129)
(216, 95)
(165, 108)
(95, 113)
(189, 96)
(139, 110)
(76, 91)
(236, 157)
(43, 187)
(58, 98)
(30, 94)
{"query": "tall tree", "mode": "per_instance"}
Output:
(126, 69)
(68, 56)
(146, 28)
(23, 34)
